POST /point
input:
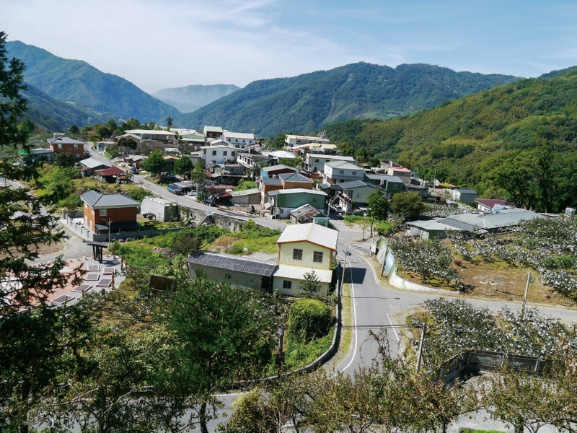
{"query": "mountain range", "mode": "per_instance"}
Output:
(191, 98)
(310, 102)
(517, 141)
(64, 92)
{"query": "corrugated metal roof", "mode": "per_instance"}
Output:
(97, 200)
(92, 163)
(232, 263)
(474, 222)
(296, 191)
(311, 232)
(294, 177)
(298, 273)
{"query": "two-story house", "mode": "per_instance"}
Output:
(295, 140)
(315, 162)
(239, 139)
(104, 213)
(212, 132)
(352, 195)
(282, 201)
(219, 154)
(391, 184)
(62, 144)
(342, 171)
(305, 248)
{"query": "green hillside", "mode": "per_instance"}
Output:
(86, 88)
(516, 142)
(309, 102)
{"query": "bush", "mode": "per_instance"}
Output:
(309, 319)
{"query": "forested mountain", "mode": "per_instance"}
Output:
(309, 102)
(190, 98)
(517, 141)
(86, 88)
(54, 115)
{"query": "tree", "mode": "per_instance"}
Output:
(407, 205)
(23, 284)
(64, 160)
(169, 122)
(127, 142)
(226, 338)
(378, 205)
(155, 163)
(311, 284)
(183, 166)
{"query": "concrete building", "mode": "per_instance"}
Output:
(305, 248)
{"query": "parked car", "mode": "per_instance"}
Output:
(133, 170)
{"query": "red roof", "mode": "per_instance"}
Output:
(112, 171)
(491, 202)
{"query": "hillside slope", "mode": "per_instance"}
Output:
(309, 102)
(191, 98)
(517, 141)
(85, 87)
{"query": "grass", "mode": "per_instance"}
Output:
(378, 225)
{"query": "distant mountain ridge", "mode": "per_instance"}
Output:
(310, 102)
(82, 86)
(191, 98)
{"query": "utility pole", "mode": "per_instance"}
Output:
(280, 353)
(420, 353)
(526, 293)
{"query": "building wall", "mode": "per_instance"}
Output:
(293, 201)
(292, 185)
(102, 216)
(235, 278)
(286, 255)
(76, 150)
(295, 290)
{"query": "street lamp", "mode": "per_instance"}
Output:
(280, 353)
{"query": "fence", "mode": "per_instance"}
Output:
(474, 361)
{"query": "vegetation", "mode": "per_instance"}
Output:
(407, 206)
(378, 205)
(513, 142)
(310, 102)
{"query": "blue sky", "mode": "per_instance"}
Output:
(159, 44)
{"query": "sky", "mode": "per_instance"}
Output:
(158, 44)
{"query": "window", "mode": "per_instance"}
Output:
(286, 284)
(75, 146)
(318, 256)
(214, 153)
(354, 173)
(224, 153)
(103, 212)
(297, 254)
(59, 145)
(316, 160)
(341, 172)
(227, 276)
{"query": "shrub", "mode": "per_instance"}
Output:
(309, 319)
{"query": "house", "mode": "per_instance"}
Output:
(282, 201)
(471, 223)
(277, 155)
(192, 138)
(246, 197)
(239, 139)
(36, 155)
(169, 162)
(110, 174)
(109, 212)
(490, 205)
(146, 135)
(391, 184)
(295, 180)
(305, 248)
(342, 171)
(212, 132)
(315, 162)
(271, 171)
(241, 272)
(295, 140)
(329, 149)
(266, 185)
(159, 209)
(352, 195)
(62, 144)
(134, 160)
(219, 154)
(467, 196)
(89, 165)
(251, 160)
